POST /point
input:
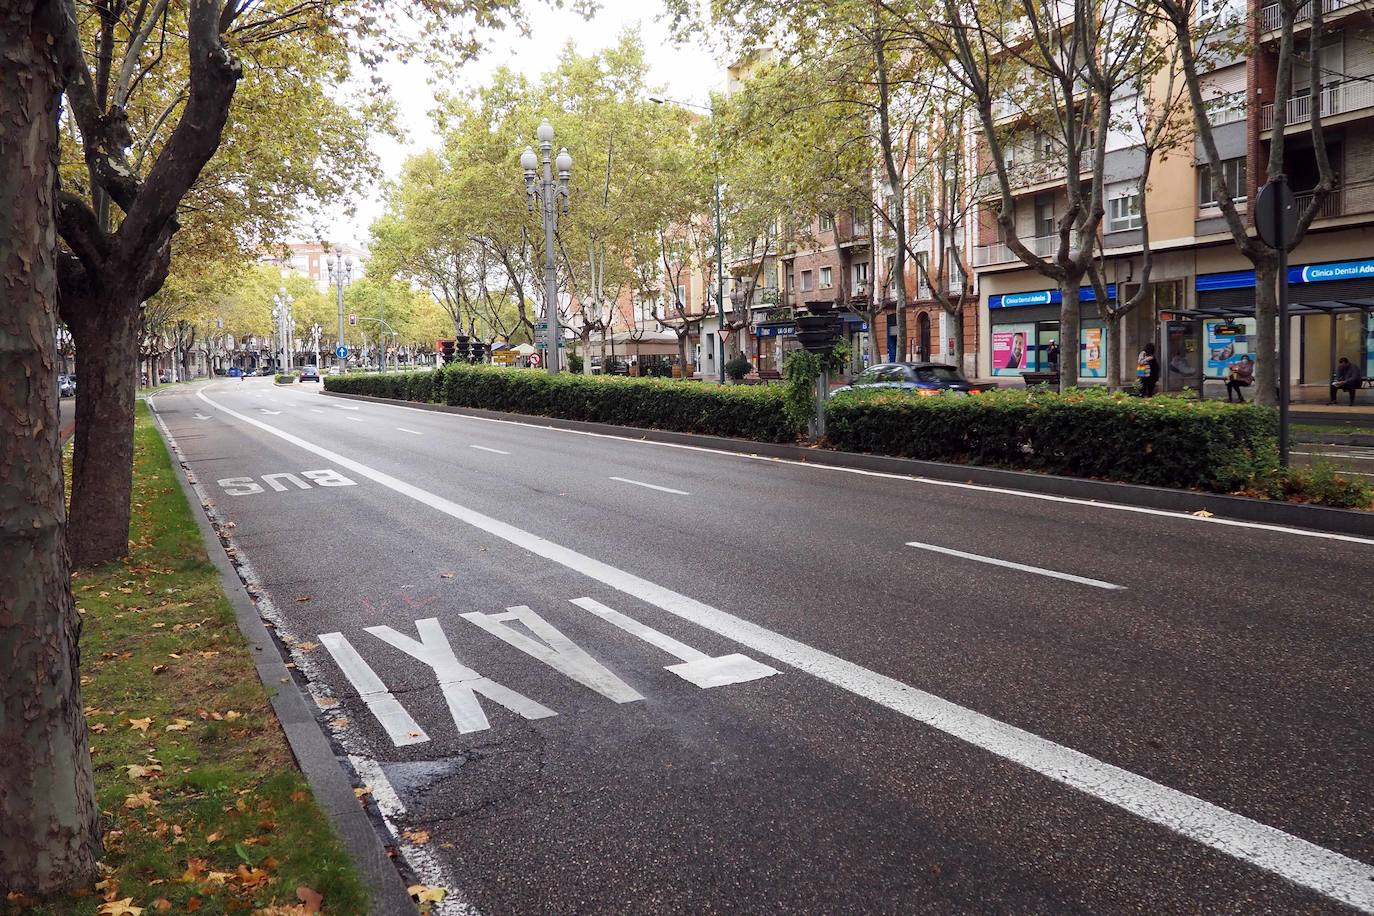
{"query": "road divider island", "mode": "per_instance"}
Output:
(1092, 433)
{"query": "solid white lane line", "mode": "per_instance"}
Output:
(1081, 580)
(413, 432)
(354, 419)
(1323, 870)
(930, 481)
(483, 448)
(651, 486)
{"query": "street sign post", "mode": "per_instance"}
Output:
(1276, 223)
(341, 351)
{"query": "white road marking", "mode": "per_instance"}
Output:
(483, 448)
(1337, 455)
(345, 407)
(413, 432)
(651, 486)
(555, 650)
(199, 416)
(1327, 872)
(273, 412)
(354, 419)
(1081, 580)
(697, 667)
(929, 481)
(272, 480)
(459, 683)
(400, 727)
(316, 410)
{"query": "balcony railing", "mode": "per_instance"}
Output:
(1336, 98)
(1271, 16)
(1227, 109)
(1330, 206)
(999, 253)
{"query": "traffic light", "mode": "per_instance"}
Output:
(463, 349)
(818, 333)
(352, 321)
(478, 352)
(446, 350)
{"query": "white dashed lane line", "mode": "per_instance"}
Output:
(1068, 577)
(483, 448)
(651, 486)
(413, 432)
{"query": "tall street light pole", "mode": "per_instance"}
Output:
(281, 310)
(720, 239)
(340, 273)
(550, 196)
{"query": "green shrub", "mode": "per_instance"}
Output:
(285, 379)
(1162, 441)
(1323, 485)
(746, 412)
(738, 367)
(574, 363)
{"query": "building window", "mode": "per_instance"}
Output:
(861, 275)
(826, 280)
(1123, 206)
(956, 273)
(682, 296)
(1044, 215)
(791, 284)
(1232, 171)
(827, 222)
(922, 274)
(806, 281)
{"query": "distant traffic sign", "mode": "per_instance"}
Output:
(535, 361)
(341, 352)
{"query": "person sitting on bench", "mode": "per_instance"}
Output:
(1240, 375)
(1347, 379)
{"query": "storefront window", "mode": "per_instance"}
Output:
(1011, 349)
(1225, 342)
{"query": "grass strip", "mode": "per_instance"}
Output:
(203, 808)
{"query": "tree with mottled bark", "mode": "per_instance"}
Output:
(49, 821)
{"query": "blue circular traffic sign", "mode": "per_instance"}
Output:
(341, 352)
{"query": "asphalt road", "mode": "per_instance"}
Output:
(766, 700)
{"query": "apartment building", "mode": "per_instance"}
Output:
(1200, 306)
(310, 260)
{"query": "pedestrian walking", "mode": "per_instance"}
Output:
(1053, 356)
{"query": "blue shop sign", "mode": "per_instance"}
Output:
(776, 330)
(1045, 297)
(1312, 273)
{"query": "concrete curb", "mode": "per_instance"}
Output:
(1295, 515)
(331, 785)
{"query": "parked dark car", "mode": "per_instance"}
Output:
(310, 374)
(267, 370)
(66, 386)
(913, 378)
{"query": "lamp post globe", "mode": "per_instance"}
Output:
(545, 131)
(529, 161)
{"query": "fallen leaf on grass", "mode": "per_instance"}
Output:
(299, 796)
(214, 837)
(123, 907)
(141, 800)
(141, 725)
(312, 899)
(194, 869)
(98, 727)
(162, 905)
(137, 771)
(158, 669)
(179, 725)
(232, 715)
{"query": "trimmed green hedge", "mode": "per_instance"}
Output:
(285, 379)
(1161, 441)
(738, 411)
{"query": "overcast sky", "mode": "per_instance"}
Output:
(689, 73)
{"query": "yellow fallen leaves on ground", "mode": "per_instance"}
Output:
(123, 907)
(141, 725)
(141, 800)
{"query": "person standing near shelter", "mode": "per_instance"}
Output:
(1147, 370)
(1347, 378)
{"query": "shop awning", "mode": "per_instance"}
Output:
(1324, 307)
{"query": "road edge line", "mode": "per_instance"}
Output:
(331, 785)
(1289, 518)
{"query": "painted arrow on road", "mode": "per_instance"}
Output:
(265, 410)
(200, 416)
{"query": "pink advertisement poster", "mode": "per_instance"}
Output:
(1009, 351)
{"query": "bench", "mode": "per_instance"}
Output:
(1040, 378)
